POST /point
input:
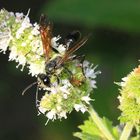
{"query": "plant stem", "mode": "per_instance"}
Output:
(97, 120)
(126, 131)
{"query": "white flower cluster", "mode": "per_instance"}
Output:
(62, 98)
(5, 32)
(124, 80)
(90, 73)
(5, 38)
(23, 41)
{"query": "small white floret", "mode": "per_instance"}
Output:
(51, 115)
(63, 115)
(42, 110)
(80, 107)
(87, 99)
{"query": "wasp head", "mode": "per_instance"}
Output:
(43, 80)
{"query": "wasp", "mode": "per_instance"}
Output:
(58, 62)
(73, 42)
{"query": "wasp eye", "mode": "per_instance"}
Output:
(45, 79)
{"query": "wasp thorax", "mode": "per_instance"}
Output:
(52, 65)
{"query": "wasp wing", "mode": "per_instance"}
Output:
(72, 38)
(46, 35)
(72, 50)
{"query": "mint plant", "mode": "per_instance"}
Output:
(71, 84)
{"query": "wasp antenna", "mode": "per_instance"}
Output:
(28, 87)
(37, 99)
(28, 13)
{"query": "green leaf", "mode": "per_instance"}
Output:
(89, 130)
(122, 14)
(113, 130)
(86, 136)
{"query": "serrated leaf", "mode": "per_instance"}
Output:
(89, 130)
(113, 130)
(86, 136)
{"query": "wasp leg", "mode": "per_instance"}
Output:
(27, 53)
(42, 56)
(70, 73)
(58, 79)
(37, 101)
(36, 98)
(81, 58)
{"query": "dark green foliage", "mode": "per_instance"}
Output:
(122, 14)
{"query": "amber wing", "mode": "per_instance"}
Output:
(46, 35)
(70, 51)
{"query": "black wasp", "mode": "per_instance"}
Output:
(73, 42)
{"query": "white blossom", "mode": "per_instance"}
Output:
(63, 115)
(61, 49)
(54, 41)
(24, 42)
(123, 83)
(3, 25)
(66, 82)
(51, 115)
(80, 107)
(93, 83)
(30, 37)
(65, 96)
(24, 25)
(37, 47)
(21, 59)
(53, 90)
(10, 13)
(87, 99)
(13, 53)
(19, 17)
(90, 73)
(35, 30)
(56, 89)
(59, 108)
(42, 110)
(35, 69)
(5, 39)
(86, 64)
(64, 89)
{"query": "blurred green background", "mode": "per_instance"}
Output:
(114, 46)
